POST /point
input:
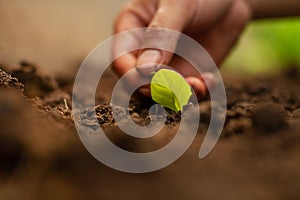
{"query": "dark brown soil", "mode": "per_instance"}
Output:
(41, 156)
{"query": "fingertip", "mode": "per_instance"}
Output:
(209, 80)
(198, 86)
(145, 90)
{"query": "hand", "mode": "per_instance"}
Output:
(215, 24)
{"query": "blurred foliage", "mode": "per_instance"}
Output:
(266, 47)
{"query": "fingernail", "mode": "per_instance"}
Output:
(148, 61)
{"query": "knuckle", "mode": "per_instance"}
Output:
(244, 13)
(159, 21)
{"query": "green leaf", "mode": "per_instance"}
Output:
(169, 89)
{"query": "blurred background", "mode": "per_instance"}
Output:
(41, 156)
(55, 34)
(58, 34)
(267, 46)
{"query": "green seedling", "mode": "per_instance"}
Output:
(169, 89)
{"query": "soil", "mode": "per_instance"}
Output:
(42, 157)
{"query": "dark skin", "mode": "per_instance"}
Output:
(215, 24)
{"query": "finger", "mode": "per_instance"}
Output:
(201, 83)
(220, 39)
(170, 14)
(125, 21)
(197, 85)
(136, 14)
(218, 42)
(124, 63)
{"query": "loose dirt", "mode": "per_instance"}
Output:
(41, 156)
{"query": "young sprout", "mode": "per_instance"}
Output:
(169, 89)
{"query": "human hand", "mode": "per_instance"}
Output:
(214, 24)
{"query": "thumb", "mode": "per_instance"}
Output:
(162, 34)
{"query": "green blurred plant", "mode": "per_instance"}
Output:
(266, 47)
